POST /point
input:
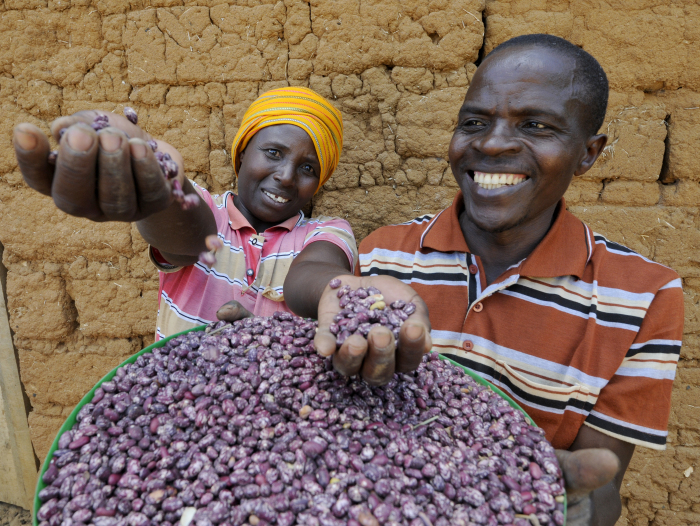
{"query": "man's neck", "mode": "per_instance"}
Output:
(500, 250)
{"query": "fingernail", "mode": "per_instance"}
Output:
(25, 140)
(138, 149)
(110, 142)
(382, 338)
(413, 332)
(78, 140)
(355, 349)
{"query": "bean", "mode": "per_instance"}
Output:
(249, 424)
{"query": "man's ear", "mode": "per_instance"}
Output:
(594, 147)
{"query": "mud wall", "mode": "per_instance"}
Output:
(82, 296)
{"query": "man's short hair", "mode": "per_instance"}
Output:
(589, 75)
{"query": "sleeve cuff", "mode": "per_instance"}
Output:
(159, 261)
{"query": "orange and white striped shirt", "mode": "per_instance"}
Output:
(582, 331)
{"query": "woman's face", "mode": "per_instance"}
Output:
(278, 175)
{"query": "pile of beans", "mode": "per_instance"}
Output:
(246, 424)
(364, 308)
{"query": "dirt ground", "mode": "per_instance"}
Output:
(13, 516)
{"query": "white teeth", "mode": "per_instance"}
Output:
(492, 181)
(275, 197)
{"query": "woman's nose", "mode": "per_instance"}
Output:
(285, 174)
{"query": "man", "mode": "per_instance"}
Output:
(582, 332)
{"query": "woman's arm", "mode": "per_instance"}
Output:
(113, 175)
(309, 274)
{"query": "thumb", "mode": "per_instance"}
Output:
(587, 469)
(324, 341)
(233, 311)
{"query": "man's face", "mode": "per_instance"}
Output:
(278, 175)
(520, 124)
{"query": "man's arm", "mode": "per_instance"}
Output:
(113, 175)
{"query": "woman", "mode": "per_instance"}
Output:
(287, 147)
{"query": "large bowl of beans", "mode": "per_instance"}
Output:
(245, 424)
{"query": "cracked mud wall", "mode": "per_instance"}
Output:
(82, 296)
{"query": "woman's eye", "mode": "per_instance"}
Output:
(308, 168)
(273, 152)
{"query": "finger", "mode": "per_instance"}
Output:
(74, 181)
(348, 360)
(154, 193)
(324, 342)
(213, 242)
(587, 469)
(63, 123)
(414, 342)
(88, 116)
(328, 307)
(233, 311)
(379, 364)
(116, 192)
(32, 150)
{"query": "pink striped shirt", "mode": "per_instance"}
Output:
(251, 267)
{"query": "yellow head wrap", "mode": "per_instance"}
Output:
(301, 107)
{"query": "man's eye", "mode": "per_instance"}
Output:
(536, 125)
(474, 122)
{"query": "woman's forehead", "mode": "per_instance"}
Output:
(288, 137)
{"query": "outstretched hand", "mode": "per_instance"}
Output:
(110, 175)
(585, 470)
(375, 358)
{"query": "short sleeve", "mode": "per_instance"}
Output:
(336, 231)
(635, 404)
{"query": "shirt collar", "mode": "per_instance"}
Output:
(564, 251)
(237, 221)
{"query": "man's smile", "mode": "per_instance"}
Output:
(490, 181)
(276, 198)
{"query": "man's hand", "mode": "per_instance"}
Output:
(233, 311)
(375, 358)
(585, 470)
(110, 175)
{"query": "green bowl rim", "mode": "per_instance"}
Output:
(160, 343)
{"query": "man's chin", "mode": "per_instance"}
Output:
(495, 224)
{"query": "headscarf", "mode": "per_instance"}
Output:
(301, 107)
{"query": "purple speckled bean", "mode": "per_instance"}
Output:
(249, 424)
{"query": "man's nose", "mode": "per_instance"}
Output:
(498, 139)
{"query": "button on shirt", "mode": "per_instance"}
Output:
(582, 331)
(251, 267)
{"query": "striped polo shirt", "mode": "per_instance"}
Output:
(251, 267)
(582, 331)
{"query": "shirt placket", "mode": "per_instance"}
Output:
(253, 256)
(477, 295)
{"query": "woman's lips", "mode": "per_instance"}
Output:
(490, 181)
(275, 197)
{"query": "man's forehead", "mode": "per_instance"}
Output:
(539, 73)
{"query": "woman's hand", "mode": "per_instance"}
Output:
(110, 175)
(233, 311)
(376, 357)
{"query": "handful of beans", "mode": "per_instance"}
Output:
(244, 424)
